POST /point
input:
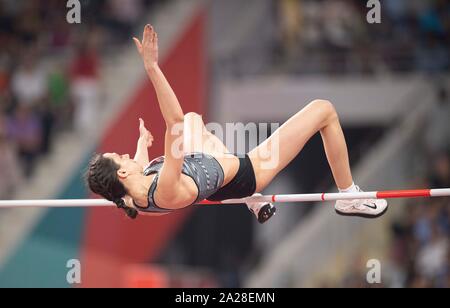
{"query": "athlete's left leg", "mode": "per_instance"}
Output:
(275, 153)
(198, 139)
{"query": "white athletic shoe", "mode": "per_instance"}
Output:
(367, 208)
(262, 210)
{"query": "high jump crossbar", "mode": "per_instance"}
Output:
(317, 197)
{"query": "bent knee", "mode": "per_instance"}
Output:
(191, 115)
(193, 118)
(325, 107)
(323, 104)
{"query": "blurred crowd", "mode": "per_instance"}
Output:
(420, 248)
(50, 73)
(335, 36)
(419, 251)
(418, 255)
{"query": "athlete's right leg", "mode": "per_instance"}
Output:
(288, 141)
(275, 153)
(198, 139)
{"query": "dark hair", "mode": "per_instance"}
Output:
(102, 179)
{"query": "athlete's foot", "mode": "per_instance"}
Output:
(367, 208)
(262, 210)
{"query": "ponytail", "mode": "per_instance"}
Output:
(132, 213)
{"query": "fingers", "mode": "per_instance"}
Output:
(150, 35)
(143, 33)
(155, 40)
(138, 45)
(143, 128)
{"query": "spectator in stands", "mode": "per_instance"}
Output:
(46, 114)
(437, 134)
(432, 55)
(10, 176)
(59, 96)
(432, 257)
(290, 25)
(29, 83)
(85, 73)
(4, 76)
(24, 128)
(28, 24)
(440, 168)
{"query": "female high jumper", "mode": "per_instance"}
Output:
(206, 169)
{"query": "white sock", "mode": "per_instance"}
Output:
(350, 189)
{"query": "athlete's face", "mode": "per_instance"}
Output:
(127, 165)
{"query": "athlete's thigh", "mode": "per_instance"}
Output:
(198, 139)
(193, 133)
(277, 151)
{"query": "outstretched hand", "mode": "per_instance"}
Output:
(148, 47)
(144, 134)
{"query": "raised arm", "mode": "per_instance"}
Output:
(172, 113)
(168, 102)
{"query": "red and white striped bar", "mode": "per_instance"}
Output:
(67, 203)
(389, 194)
